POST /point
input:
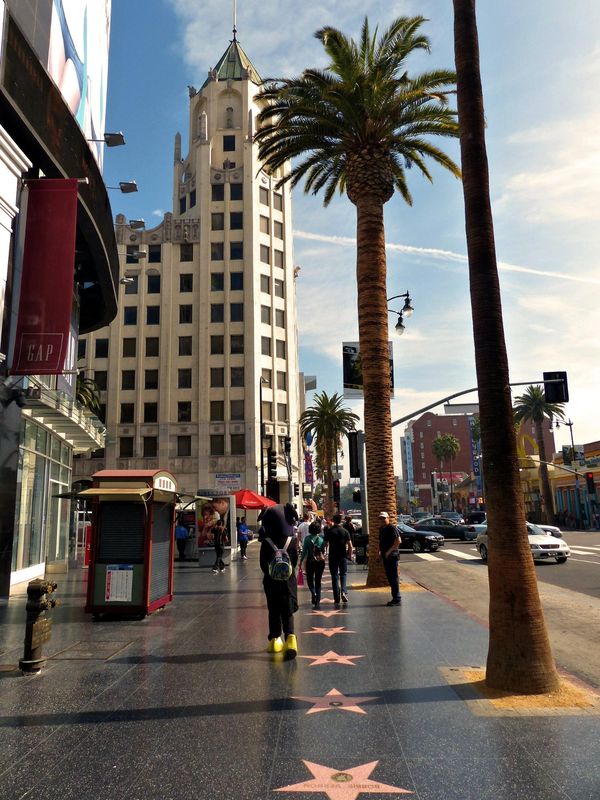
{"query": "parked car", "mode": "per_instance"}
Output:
(551, 529)
(543, 545)
(406, 519)
(420, 540)
(419, 515)
(453, 515)
(476, 517)
(447, 527)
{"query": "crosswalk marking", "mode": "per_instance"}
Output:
(584, 552)
(428, 557)
(461, 554)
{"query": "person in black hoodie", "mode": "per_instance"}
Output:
(277, 524)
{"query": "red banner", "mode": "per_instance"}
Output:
(46, 292)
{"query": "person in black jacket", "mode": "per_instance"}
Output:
(277, 524)
(389, 542)
(339, 546)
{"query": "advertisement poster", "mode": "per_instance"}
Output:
(119, 583)
(208, 511)
(352, 369)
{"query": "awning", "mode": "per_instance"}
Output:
(139, 492)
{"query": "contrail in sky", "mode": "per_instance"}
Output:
(444, 255)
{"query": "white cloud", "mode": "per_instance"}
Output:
(158, 212)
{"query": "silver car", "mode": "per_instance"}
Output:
(543, 545)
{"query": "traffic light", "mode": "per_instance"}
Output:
(589, 479)
(356, 496)
(287, 444)
(271, 464)
(296, 490)
(336, 492)
(558, 390)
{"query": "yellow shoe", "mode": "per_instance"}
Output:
(275, 645)
(291, 646)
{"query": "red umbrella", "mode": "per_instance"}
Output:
(246, 498)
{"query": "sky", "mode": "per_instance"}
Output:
(540, 64)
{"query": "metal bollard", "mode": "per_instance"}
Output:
(38, 625)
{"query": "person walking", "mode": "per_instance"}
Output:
(277, 539)
(219, 542)
(313, 560)
(389, 543)
(350, 527)
(243, 538)
(181, 537)
(339, 546)
(303, 527)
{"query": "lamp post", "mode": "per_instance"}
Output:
(261, 433)
(569, 424)
(407, 311)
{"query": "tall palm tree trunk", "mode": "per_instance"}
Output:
(548, 512)
(373, 336)
(519, 655)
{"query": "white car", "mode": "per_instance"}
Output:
(551, 529)
(543, 545)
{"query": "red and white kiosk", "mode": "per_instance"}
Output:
(132, 543)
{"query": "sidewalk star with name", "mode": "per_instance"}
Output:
(332, 658)
(342, 785)
(334, 699)
(330, 631)
(326, 614)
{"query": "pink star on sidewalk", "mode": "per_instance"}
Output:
(332, 658)
(326, 614)
(342, 785)
(330, 631)
(326, 600)
(334, 699)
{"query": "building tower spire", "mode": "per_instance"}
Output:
(234, 20)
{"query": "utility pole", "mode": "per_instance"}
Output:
(363, 479)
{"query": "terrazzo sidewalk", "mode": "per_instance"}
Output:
(188, 704)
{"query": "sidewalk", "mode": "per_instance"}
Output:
(187, 704)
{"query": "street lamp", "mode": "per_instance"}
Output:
(569, 424)
(127, 187)
(262, 433)
(111, 139)
(407, 311)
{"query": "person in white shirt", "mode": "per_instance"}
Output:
(303, 527)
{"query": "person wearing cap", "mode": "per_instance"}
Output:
(389, 543)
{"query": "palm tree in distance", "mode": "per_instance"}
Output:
(87, 393)
(328, 420)
(357, 126)
(447, 447)
(519, 655)
(531, 406)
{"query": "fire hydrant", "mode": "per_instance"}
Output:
(38, 625)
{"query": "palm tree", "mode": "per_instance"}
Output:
(445, 447)
(87, 393)
(532, 406)
(357, 126)
(328, 420)
(519, 655)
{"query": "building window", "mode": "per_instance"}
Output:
(238, 444)
(217, 377)
(182, 205)
(278, 229)
(217, 312)
(184, 378)
(217, 252)
(236, 251)
(127, 413)
(128, 379)
(217, 444)
(184, 411)
(192, 198)
(154, 254)
(126, 447)
(236, 220)
(236, 312)
(81, 346)
(185, 345)
(130, 315)
(150, 412)
(217, 410)
(153, 315)
(429, 423)
(131, 287)
(228, 144)
(265, 254)
(265, 345)
(185, 315)
(267, 410)
(265, 314)
(132, 255)
(278, 286)
(153, 284)
(282, 380)
(237, 376)
(152, 346)
(186, 251)
(218, 192)
(236, 344)
(101, 414)
(236, 281)
(186, 282)
(151, 379)
(101, 348)
(236, 191)
(278, 258)
(184, 446)
(217, 221)
(277, 201)
(150, 446)
(129, 348)
(264, 224)
(217, 281)
(265, 284)
(267, 376)
(237, 410)
(280, 348)
(217, 345)
(282, 412)
(263, 196)
(280, 318)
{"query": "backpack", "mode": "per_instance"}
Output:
(280, 566)
(316, 553)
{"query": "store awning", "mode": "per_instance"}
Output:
(136, 492)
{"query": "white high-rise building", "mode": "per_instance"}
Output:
(206, 326)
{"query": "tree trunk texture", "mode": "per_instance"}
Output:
(373, 336)
(519, 656)
(548, 512)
